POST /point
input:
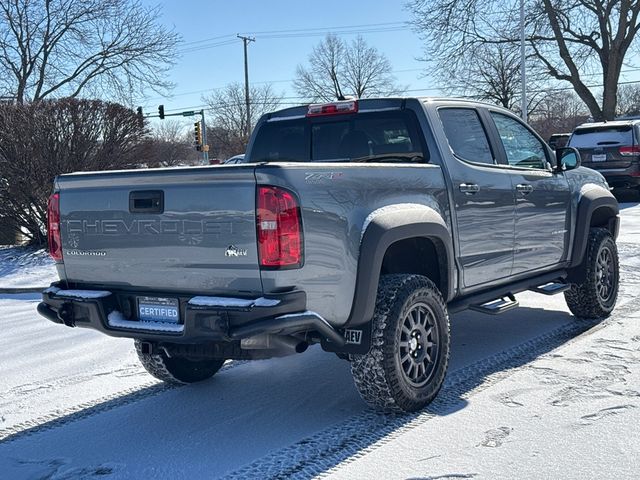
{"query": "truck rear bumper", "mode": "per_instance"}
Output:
(204, 319)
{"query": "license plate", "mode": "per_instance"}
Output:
(158, 309)
(602, 157)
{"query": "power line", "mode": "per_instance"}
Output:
(363, 25)
(345, 32)
(299, 33)
(297, 30)
(193, 42)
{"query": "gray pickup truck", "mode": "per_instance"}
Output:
(358, 225)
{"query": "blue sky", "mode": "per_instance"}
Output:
(275, 59)
(212, 57)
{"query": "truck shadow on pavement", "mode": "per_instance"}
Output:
(291, 416)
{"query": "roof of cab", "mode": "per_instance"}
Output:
(381, 103)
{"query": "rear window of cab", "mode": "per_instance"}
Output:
(388, 136)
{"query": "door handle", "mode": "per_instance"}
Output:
(524, 188)
(146, 201)
(469, 188)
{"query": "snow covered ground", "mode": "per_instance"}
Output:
(20, 268)
(530, 394)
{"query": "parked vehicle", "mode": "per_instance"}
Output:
(558, 140)
(611, 148)
(358, 225)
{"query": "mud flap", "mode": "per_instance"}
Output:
(357, 340)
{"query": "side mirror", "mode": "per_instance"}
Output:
(567, 158)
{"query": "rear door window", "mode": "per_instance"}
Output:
(391, 136)
(466, 135)
(602, 137)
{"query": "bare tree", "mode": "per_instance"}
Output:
(55, 48)
(41, 140)
(559, 111)
(493, 75)
(337, 69)
(629, 100)
(224, 143)
(169, 143)
(571, 40)
(229, 115)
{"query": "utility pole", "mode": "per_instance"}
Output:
(523, 77)
(205, 146)
(245, 41)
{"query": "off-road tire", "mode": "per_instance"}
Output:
(177, 370)
(585, 298)
(380, 375)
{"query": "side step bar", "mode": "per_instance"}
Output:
(552, 288)
(492, 294)
(497, 306)
(508, 302)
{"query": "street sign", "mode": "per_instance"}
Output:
(190, 113)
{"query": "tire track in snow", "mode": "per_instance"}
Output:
(26, 389)
(91, 408)
(319, 455)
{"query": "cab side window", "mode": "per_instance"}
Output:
(466, 135)
(523, 149)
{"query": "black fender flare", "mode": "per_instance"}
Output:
(385, 229)
(595, 202)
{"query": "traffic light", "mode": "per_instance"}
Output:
(161, 111)
(140, 117)
(198, 135)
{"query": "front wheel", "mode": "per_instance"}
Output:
(407, 362)
(595, 294)
(177, 370)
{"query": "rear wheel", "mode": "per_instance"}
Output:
(407, 362)
(594, 296)
(177, 370)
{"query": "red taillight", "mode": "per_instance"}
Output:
(335, 108)
(630, 151)
(279, 228)
(53, 227)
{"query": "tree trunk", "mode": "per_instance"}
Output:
(612, 65)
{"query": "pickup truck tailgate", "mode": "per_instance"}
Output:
(183, 230)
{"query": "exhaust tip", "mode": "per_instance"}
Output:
(301, 347)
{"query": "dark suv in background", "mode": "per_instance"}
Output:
(612, 148)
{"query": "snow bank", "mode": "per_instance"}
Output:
(24, 267)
